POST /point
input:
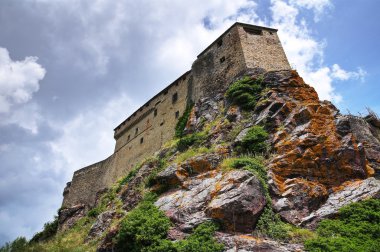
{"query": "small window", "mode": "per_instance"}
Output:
(253, 31)
(141, 140)
(174, 97)
(222, 59)
(155, 113)
(136, 131)
(129, 137)
(220, 43)
(176, 114)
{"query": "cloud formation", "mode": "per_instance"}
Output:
(18, 80)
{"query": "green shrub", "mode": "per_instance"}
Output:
(50, 229)
(357, 228)
(20, 244)
(95, 212)
(201, 240)
(245, 92)
(270, 225)
(193, 139)
(143, 228)
(251, 164)
(182, 121)
(254, 141)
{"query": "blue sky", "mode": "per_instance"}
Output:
(70, 71)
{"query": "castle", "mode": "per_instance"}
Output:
(238, 49)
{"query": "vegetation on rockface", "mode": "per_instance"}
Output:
(357, 228)
(181, 124)
(145, 229)
(20, 244)
(201, 240)
(254, 141)
(71, 240)
(245, 92)
(189, 140)
(50, 229)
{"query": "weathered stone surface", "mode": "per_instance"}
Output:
(235, 199)
(103, 221)
(247, 243)
(300, 198)
(238, 202)
(346, 194)
(67, 217)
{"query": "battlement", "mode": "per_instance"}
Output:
(240, 48)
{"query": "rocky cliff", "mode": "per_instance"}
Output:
(266, 173)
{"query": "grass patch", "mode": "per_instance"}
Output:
(245, 92)
(357, 228)
(191, 153)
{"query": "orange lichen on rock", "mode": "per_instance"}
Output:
(309, 145)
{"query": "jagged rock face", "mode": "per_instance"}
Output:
(306, 140)
(103, 221)
(235, 198)
(347, 193)
(67, 217)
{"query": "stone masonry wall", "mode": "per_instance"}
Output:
(238, 49)
(86, 183)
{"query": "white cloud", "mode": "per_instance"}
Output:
(18, 80)
(305, 52)
(341, 74)
(318, 6)
(88, 137)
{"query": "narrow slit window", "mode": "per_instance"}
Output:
(129, 137)
(177, 114)
(141, 140)
(220, 43)
(222, 59)
(155, 113)
(174, 97)
(136, 131)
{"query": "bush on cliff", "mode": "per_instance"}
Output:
(201, 240)
(193, 139)
(254, 141)
(50, 229)
(245, 92)
(357, 228)
(143, 228)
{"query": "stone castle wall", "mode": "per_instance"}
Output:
(237, 50)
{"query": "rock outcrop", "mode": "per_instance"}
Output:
(234, 198)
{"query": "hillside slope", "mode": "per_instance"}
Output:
(253, 168)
